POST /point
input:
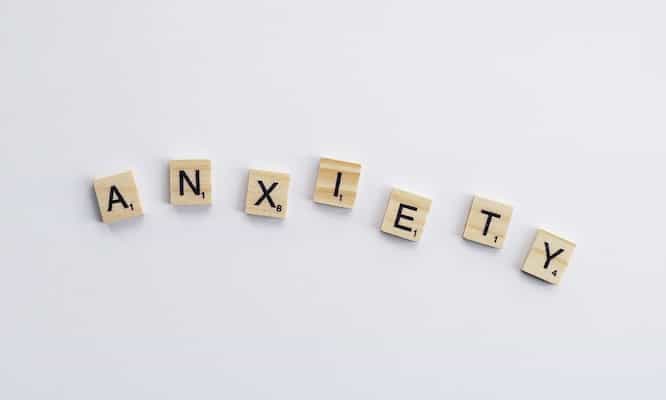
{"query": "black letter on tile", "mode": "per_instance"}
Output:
(115, 192)
(550, 257)
(266, 193)
(400, 216)
(490, 215)
(338, 181)
(196, 188)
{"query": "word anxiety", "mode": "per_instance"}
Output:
(337, 185)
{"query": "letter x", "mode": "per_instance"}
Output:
(266, 193)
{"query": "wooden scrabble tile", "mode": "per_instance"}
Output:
(267, 193)
(406, 215)
(190, 182)
(337, 183)
(487, 222)
(117, 197)
(549, 257)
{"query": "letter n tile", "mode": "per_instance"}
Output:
(190, 182)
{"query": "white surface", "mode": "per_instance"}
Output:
(555, 107)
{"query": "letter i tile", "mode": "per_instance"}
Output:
(337, 183)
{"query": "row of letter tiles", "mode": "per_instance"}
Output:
(337, 184)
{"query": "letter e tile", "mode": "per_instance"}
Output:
(190, 182)
(406, 215)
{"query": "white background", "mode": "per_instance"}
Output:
(554, 107)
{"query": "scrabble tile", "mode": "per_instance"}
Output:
(190, 182)
(487, 222)
(337, 183)
(117, 197)
(549, 257)
(406, 215)
(267, 193)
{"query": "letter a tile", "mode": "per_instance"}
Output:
(488, 222)
(117, 197)
(549, 257)
(406, 215)
(267, 193)
(190, 182)
(337, 183)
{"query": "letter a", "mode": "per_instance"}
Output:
(113, 191)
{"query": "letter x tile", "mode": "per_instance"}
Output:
(267, 193)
